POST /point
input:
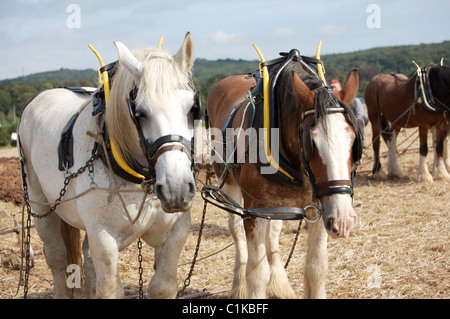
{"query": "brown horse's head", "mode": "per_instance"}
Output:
(328, 137)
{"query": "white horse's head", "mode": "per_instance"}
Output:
(161, 91)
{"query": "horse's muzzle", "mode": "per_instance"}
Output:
(177, 198)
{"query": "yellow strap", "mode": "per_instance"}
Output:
(103, 79)
(160, 42)
(425, 100)
(265, 76)
(320, 67)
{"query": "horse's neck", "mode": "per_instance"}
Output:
(408, 86)
(290, 140)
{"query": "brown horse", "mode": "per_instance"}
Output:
(302, 101)
(393, 103)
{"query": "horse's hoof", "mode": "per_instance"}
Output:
(424, 178)
(380, 175)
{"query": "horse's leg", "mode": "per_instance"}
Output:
(279, 286)
(394, 169)
(239, 287)
(446, 152)
(89, 271)
(164, 281)
(439, 170)
(316, 266)
(55, 251)
(258, 270)
(48, 229)
(377, 170)
(105, 254)
(423, 174)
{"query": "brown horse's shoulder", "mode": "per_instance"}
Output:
(227, 94)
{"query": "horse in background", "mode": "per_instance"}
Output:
(393, 103)
(445, 152)
(327, 149)
(156, 88)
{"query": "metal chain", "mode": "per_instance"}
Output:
(293, 244)
(27, 243)
(68, 177)
(187, 281)
(141, 270)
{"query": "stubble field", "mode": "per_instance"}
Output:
(399, 248)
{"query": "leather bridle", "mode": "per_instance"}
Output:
(307, 147)
(154, 149)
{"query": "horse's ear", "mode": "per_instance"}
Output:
(185, 55)
(303, 94)
(129, 61)
(348, 92)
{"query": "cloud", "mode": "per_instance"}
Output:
(331, 30)
(221, 37)
(284, 33)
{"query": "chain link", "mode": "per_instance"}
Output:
(141, 270)
(67, 178)
(187, 281)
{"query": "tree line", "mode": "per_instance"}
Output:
(15, 92)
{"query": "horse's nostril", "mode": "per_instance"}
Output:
(159, 190)
(331, 226)
(192, 188)
(330, 223)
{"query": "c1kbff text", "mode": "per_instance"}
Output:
(238, 308)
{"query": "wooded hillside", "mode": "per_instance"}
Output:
(15, 92)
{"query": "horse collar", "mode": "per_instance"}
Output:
(287, 175)
(423, 94)
(267, 118)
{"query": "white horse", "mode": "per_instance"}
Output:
(114, 220)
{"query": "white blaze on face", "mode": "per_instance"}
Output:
(334, 149)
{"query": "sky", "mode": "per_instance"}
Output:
(46, 35)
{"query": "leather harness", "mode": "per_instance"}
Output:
(255, 120)
(423, 94)
(152, 150)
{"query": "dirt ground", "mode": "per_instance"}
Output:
(398, 250)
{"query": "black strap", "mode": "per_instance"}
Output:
(108, 67)
(65, 146)
(284, 56)
(215, 196)
(171, 138)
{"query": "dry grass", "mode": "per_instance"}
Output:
(399, 248)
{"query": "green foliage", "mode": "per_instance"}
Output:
(207, 73)
(397, 59)
(14, 94)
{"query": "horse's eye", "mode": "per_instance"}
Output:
(140, 115)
